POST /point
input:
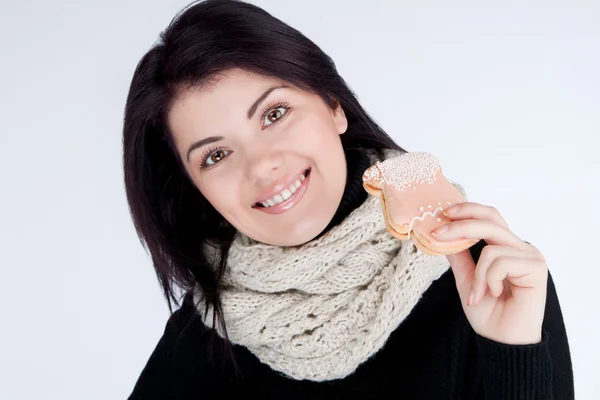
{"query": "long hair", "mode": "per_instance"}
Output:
(172, 219)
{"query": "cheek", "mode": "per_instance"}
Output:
(223, 195)
(317, 133)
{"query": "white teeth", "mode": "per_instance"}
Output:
(284, 194)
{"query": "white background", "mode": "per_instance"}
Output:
(506, 93)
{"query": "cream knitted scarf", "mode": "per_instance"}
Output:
(319, 310)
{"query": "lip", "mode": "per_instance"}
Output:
(279, 186)
(290, 202)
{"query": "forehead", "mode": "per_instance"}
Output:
(232, 86)
(226, 96)
(220, 105)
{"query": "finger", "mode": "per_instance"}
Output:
(489, 255)
(522, 273)
(488, 230)
(471, 210)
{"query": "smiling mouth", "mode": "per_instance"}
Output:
(286, 198)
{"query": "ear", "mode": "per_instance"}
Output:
(339, 118)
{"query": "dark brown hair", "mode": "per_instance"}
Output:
(172, 218)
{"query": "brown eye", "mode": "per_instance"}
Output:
(275, 115)
(216, 156)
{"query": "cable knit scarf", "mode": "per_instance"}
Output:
(319, 310)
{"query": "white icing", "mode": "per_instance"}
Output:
(422, 217)
(409, 169)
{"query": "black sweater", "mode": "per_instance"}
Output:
(433, 354)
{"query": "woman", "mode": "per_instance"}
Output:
(243, 156)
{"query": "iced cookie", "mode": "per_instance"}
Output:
(413, 193)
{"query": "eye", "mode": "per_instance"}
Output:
(275, 114)
(214, 156)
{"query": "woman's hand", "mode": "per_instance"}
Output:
(504, 295)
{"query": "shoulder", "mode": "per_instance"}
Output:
(184, 328)
(182, 350)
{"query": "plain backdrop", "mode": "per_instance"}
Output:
(506, 93)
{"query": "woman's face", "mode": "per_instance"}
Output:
(264, 153)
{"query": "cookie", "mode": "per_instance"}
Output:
(413, 193)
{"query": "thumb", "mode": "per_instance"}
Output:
(463, 268)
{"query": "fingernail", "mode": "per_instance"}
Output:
(450, 210)
(442, 229)
(471, 298)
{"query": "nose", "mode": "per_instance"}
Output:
(264, 166)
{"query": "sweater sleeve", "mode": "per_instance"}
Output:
(536, 371)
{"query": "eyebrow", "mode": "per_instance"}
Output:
(267, 92)
(202, 142)
(251, 111)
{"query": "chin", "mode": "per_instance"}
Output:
(306, 225)
(292, 240)
(302, 232)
